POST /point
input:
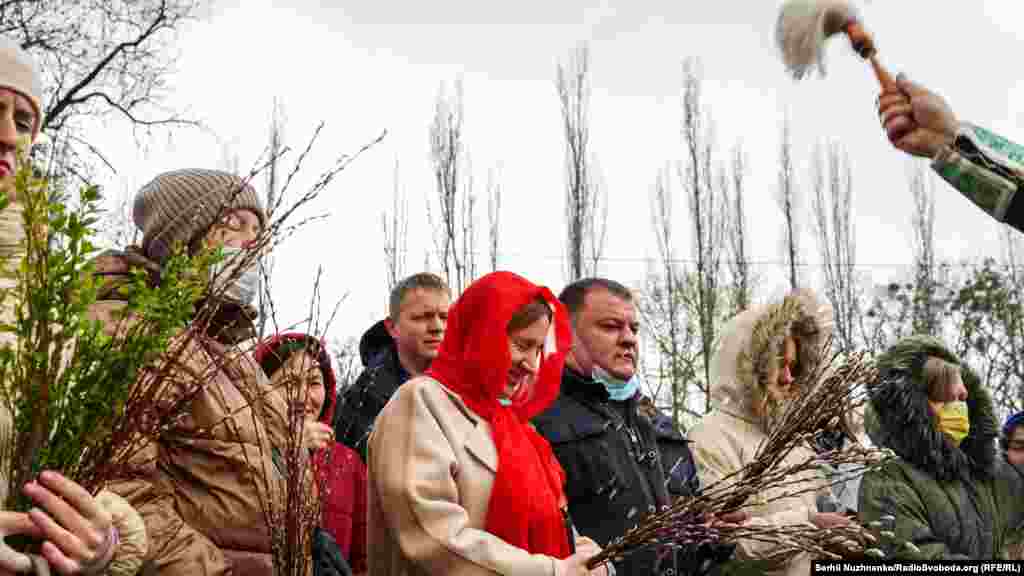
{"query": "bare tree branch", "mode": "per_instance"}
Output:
(833, 220)
(743, 277)
(789, 201)
(582, 199)
(494, 215)
(454, 237)
(396, 234)
(99, 57)
(696, 174)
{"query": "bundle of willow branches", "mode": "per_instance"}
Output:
(832, 390)
(91, 399)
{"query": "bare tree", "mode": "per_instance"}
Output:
(274, 177)
(99, 60)
(583, 243)
(741, 272)
(396, 234)
(347, 364)
(493, 215)
(831, 213)
(454, 236)
(597, 227)
(696, 175)
(789, 203)
(929, 296)
(926, 308)
(664, 306)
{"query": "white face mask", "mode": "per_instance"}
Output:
(241, 287)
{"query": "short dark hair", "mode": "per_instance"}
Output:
(421, 280)
(528, 314)
(574, 295)
(1012, 423)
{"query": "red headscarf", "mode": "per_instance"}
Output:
(474, 361)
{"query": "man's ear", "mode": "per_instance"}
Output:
(389, 325)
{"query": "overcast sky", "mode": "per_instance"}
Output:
(363, 67)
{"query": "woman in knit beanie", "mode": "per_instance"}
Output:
(82, 534)
(203, 484)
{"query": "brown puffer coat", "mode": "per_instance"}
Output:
(202, 489)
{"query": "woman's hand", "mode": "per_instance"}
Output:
(825, 520)
(576, 565)
(316, 435)
(78, 531)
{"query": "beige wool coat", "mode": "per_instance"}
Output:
(432, 464)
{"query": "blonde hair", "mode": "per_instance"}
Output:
(939, 376)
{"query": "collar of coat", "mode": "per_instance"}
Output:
(582, 387)
(898, 416)
(226, 322)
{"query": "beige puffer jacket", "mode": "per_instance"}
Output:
(727, 438)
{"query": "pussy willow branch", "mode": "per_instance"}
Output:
(831, 394)
(153, 408)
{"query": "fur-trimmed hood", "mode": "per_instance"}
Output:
(752, 341)
(898, 416)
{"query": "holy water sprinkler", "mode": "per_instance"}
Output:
(804, 27)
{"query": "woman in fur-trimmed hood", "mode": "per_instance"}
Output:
(951, 497)
(761, 356)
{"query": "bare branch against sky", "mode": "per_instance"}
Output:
(585, 221)
(101, 60)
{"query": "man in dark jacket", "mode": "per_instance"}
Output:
(619, 464)
(951, 496)
(393, 350)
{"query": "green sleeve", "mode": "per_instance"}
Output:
(887, 491)
(985, 167)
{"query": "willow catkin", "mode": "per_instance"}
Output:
(802, 29)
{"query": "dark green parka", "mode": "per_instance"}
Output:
(951, 502)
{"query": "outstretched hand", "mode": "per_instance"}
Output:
(915, 119)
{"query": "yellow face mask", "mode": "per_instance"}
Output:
(954, 422)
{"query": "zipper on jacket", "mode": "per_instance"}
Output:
(569, 530)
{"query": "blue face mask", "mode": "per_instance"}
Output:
(618, 389)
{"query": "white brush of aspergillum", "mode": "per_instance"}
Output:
(803, 28)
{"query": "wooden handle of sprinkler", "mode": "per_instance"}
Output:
(864, 44)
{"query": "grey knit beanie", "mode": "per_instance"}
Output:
(176, 207)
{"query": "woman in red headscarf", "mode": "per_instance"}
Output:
(460, 483)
